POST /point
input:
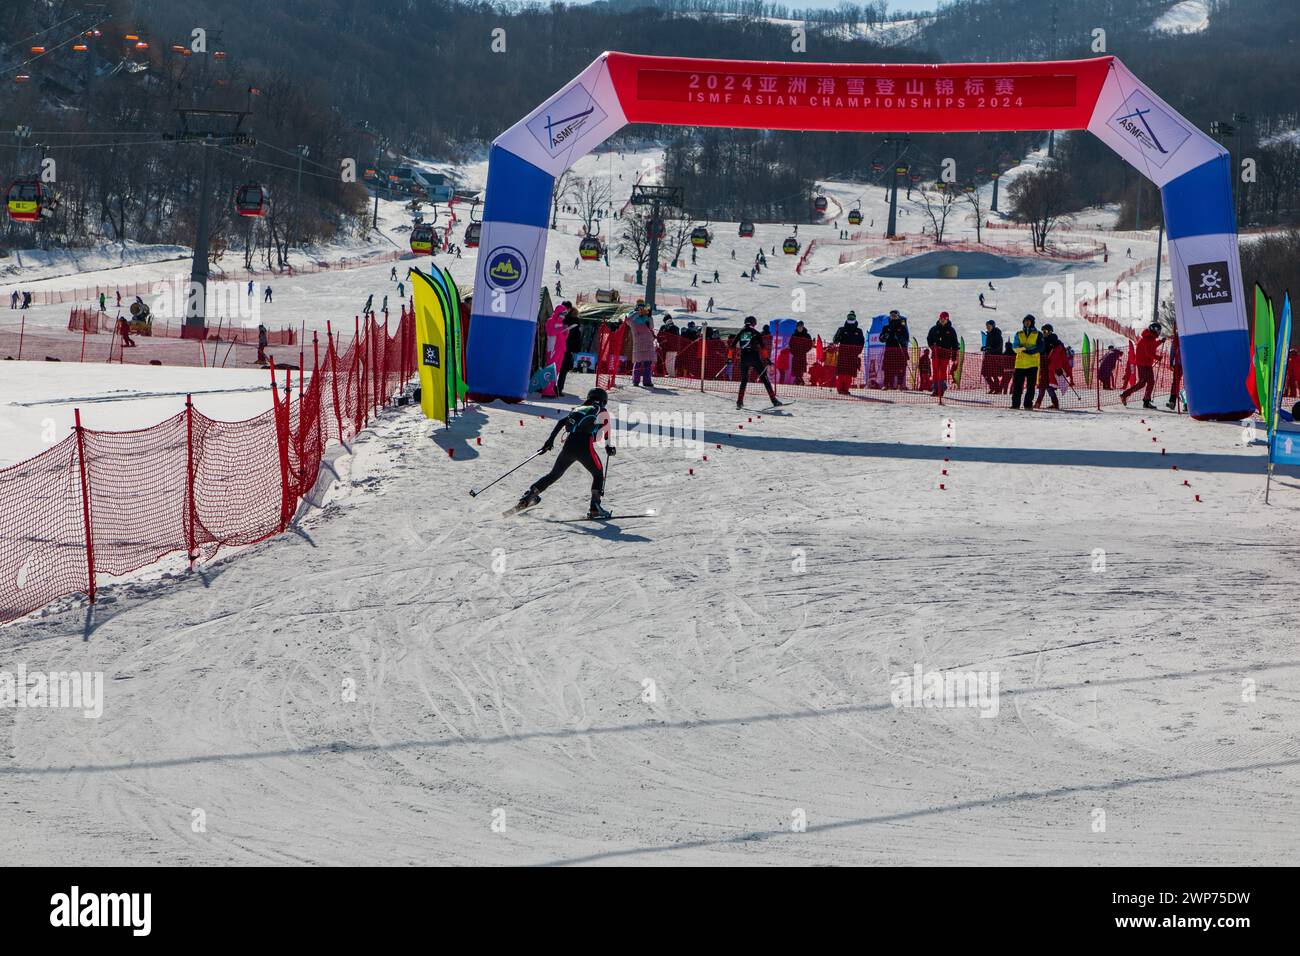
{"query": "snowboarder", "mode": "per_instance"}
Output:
(749, 343)
(585, 424)
(370, 301)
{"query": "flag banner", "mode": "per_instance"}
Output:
(1281, 349)
(431, 346)
(1257, 380)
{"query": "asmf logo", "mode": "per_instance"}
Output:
(506, 268)
(1150, 127)
(561, 120)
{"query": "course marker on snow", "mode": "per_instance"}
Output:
(706, 457)
(521, 423)
(944, 471)
(451, 453)
(478, 440)
(690, 471)
(751, 419)
(1186, 483)
(941, 486)
(1198, 497)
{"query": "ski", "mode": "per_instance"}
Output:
(764, 411)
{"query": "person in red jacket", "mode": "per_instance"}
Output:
(1145, 355)
(1055, 367)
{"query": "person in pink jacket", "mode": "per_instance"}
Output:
(556, 342)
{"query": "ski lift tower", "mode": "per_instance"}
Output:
(206, 128)
(657, 198)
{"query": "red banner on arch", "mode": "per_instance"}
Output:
(851, 97)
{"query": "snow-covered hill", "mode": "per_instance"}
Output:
(1186, 16)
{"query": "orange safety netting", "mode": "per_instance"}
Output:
(113, 502)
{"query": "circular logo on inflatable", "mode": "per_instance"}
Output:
(506, 268)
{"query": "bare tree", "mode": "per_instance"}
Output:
(936, 203)
(634, 240)
(1039, 199)
(593, 197)
(560, 191)
(975, 199)
(679, 236)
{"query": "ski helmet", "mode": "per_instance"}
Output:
(1030, 319)
(751, 320)
(597, 396)
(1154, 327)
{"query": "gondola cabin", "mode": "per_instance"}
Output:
(472, 233)
(700, 237)
(422, 239)
(25, 198)
(877, 166)
(589, 249)
(791, 246)
(901, 169)
(746, 230)
(855, 217)
(820, 204)
(253, 200)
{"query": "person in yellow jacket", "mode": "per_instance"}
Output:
(1026, 344)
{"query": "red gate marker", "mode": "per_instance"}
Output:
(478, 440)
(751, 420)
(1186, 483)
(941, 486)
(451, 453)
(690, 471)
(706, 457)
(719, 446)
(1198, 497)
(944, 471)
(1162, 451)
(521, 423)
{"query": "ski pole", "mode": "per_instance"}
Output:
(475, 494)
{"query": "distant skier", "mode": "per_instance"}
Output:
(370, 301)
(393, 275)
(103, 301)
(905, 281)
(749, 343)
(266, 295)
(250, 288)
(880, 286)
(585, 424)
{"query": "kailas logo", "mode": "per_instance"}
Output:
(506, 268)
(1210, 284)
(431, 357)
(1150, 127)
(556, 126)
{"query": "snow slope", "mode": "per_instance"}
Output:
(501, 667)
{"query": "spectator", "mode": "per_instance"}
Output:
(1026, 347)
(691, 332)
(1176, 364)
(801, 343)
(848, 356)
(261, 345)
(670, 344)
(894, 338)
(572, 345)
(1106, 368)
(13, 299)
(1053, 368)
(923, 371)
(1147, 352)
(124, 330)
(643, 345)
(992, 364)
(942, 338)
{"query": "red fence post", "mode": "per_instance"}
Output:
(85, 504)
(191, 512)
(22, 327)
(282, 436)
(334, 378)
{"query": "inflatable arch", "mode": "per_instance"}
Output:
(1100, 95)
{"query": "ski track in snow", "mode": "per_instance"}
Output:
(522, 690)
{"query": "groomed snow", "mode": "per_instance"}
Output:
(501, 666)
